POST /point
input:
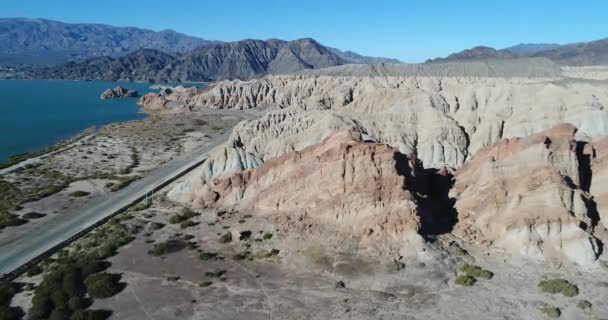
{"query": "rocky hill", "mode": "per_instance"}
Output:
(231, 60)
(576, 54)
(522, 180)
(477, 53)
(43, 42)
(579, 54)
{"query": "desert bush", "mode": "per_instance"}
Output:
(584, 305)
(79, 194)
(103, 285)
(208, 255)
(267, 236)
(10, 313)
(33, 215)
(466, 281)
(551, 312)
(226, 237)
(215, 274)
(34, 271)
(187, 224)
(244, 235)
(476, 272)
(185, 215)
(555, 286)
(205, 284)
(166, 247)
(7, 290)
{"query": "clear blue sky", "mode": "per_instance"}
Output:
(408, 30)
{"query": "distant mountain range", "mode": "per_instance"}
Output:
(230, 60)
(46, 49)
(44, 42)
(576, 54)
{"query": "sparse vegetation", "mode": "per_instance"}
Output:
(205, 284)
(267, 236)
(72, 276)
(166, 247)
(551, 312)
(186, 214)
(555, 286)
(464, 280)
(204, 255)
(476, 272)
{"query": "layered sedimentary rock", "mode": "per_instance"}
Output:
(439, 120)
(347, 187)
(596, 154)
(527, 196)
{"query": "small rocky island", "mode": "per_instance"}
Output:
(118, 92)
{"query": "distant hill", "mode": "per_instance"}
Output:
(477, 53)
(231, 60)
(353, 57)
(529, 49)
(576, 54)
(44, 42)
(579, 54)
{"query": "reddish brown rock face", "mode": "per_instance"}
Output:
(524, 195)
(351, 188)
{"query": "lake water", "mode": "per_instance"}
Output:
(36, 114)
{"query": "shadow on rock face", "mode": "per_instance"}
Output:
(431, 189)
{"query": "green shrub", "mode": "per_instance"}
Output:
(551, 312)
(7, 291)
(60, 314)
(465, 281)
(205, 284)
(80, 193)
(584, 305)
(166, 247)
(77, 303)
(555, 286)
(34, 271)
(103, 285)
(267, 236)
(476, 272)
(10, 313)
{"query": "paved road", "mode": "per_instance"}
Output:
(18, 249)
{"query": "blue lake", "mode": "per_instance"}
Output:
(36, 114)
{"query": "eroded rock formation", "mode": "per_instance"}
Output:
(348, 188)
(525, 195)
